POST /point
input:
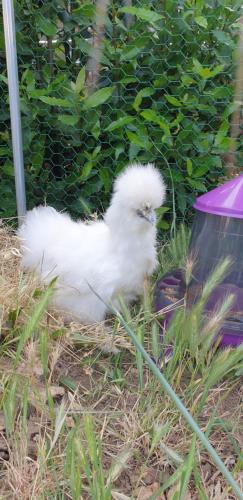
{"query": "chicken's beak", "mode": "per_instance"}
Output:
(148, 215)
(151, 217)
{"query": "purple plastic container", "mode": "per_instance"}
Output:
(225, 200)
(217, 233)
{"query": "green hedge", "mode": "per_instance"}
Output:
(165, 95)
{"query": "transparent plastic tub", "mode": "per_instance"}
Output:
(217, 233)
(214, 238)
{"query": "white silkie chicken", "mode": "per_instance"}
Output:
(112, 256)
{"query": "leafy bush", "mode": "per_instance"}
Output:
(165, 94)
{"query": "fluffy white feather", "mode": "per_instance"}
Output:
(112, 256)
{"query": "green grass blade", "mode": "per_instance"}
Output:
(35, 318)
(188, 467)
(183, 410)
(176, 400)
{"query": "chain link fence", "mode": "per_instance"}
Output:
(146, 82)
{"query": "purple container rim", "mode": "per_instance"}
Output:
(227, 338)
(221, 211)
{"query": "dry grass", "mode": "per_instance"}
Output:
(48, 440)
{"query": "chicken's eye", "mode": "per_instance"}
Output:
(140, 213)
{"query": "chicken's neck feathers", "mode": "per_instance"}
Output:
(131, 241)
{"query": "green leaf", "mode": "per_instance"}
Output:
(3, 79)
(206, 72)
(146, 92)
(177, 120)
(214, 162)
(128, 79)
(132, 49)
(223, 130)
(37, 93)
(38, 151)
(198, 185)
(106, 179)
(98, 97)
(29, 77)
(162, 210)
(95, 131)
(119, 150)
(8, 169)
(187, 80)
(151, 116)
(201, 170)
(220, 92)
(181, 198)
(162, 224)
(86, 170)
(68, 119)
(84, 11)
(130, 52)
(133, 151)
(189, 166)
(173, 100)
(4, 151)
(223, 37)
(55, 101)
(201, 21)
(203, 142)
(96, 151)
(80, 81)
(144, 14)
(46, 26)
(124, 120)
(142, 141)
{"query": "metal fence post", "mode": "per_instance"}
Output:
(13, 86)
